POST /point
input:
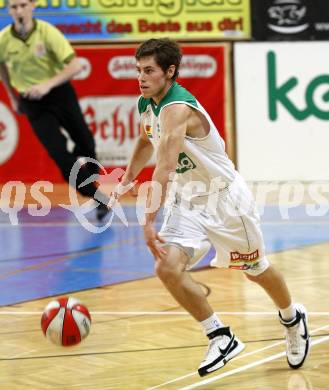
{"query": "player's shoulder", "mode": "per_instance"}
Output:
(179, 94)
(142, 104)
(46, 27)
(5, 33)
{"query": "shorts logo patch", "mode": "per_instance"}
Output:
(244, 261)
(237, 256)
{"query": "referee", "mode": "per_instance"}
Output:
(36, 65)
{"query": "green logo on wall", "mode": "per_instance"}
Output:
(184, 163)
(279, 94)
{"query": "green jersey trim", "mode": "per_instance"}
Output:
(142, 104)
(176, 93)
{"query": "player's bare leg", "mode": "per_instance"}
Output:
(171, 271)
(293, 317)
(223, 345)
(273, 283)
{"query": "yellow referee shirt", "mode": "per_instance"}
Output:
(37, 57)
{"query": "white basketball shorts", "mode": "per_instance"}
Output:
(229, 221)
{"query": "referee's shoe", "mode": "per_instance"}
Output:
(101, 211)
(223, 346)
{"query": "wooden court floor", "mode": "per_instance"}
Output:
(141, 339)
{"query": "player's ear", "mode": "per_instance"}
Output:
(171, 71)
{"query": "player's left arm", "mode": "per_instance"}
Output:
(174, 126)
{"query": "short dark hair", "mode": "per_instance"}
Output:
(166, 52)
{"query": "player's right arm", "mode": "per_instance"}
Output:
(4, 74)
(142, 153)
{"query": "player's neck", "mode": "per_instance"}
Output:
(23, 29)
(157, 99)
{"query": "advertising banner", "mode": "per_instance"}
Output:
(108, 93)
(282, 110)
(141, 19)
(290, 20)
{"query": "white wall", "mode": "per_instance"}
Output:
(290, 140)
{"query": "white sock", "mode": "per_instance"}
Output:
(212, 323)
(289, 313)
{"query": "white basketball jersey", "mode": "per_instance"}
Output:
(201, 160)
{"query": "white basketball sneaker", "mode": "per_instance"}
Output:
(297, 337)
(223, 346)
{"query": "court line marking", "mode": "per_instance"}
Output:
(196, 372)
(63, 223)
(241, 357)
(166, 313)
(136, 223)
(246, 367)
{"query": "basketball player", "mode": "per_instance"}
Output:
(221, 212)
(38, 62)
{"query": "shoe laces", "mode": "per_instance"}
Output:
(293, 339)
(212, 345)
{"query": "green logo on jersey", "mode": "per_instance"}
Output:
(184, 163)
(279, 94)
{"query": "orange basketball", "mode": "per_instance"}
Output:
(66, 321)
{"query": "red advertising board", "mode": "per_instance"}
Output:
(108, 94)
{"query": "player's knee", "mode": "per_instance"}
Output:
(167, 271)
(257, 274)
(252, 278)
